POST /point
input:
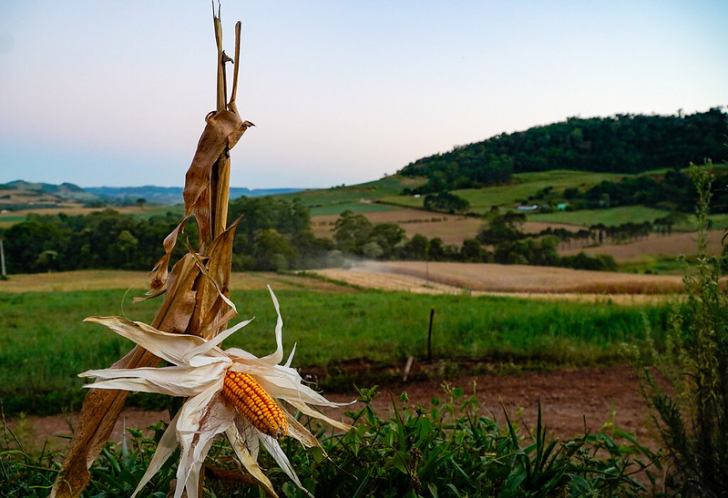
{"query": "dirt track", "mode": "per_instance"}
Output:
(569, 400)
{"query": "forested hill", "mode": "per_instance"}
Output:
(625, 143)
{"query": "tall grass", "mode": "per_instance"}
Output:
(44, 345)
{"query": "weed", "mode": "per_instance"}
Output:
(691, 412)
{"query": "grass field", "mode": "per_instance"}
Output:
(44, 344)
(390, 185)
(523, 186)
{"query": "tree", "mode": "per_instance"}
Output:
(446, 202)
(502, 228)
(387, 236)
(273, 252)
(352, 231)
(126, 243)
(472, 251)
(372, 250)
(141, 202)
(46, 261)
(416, 248)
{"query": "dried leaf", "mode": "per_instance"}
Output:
(222, 132)
(159, 272)
(101, 408)
(216, 284)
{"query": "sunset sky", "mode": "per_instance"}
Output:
(115, 92)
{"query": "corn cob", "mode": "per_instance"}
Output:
(255, 404)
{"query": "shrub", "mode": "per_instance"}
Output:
(691, 412)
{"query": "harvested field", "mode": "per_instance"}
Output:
(508, 279)
(452, 229)
(84, 280)
(76, 209)
(675, 244)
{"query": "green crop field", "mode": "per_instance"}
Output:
(44, 344)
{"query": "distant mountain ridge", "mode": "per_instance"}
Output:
(48, 194)
(67, 191)
(172, 195)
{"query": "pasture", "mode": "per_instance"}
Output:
(44, 344)
(523, 186)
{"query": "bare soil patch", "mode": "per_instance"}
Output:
(452, 229)
(655, 244)
(503, 278)
(572, 400)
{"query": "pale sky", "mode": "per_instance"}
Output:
(115, 93)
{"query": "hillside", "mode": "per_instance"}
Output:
(21, 194)
(625, 143)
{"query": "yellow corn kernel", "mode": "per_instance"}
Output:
(255, 404)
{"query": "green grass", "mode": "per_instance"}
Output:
(150, 211)
(655, 265)
(523, 186)
(44, 345)
(610, 217)
(390, 185)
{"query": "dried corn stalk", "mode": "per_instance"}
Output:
(196, 289)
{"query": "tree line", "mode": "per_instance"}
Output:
(626, 143)
(499, 241)
(273, 234)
